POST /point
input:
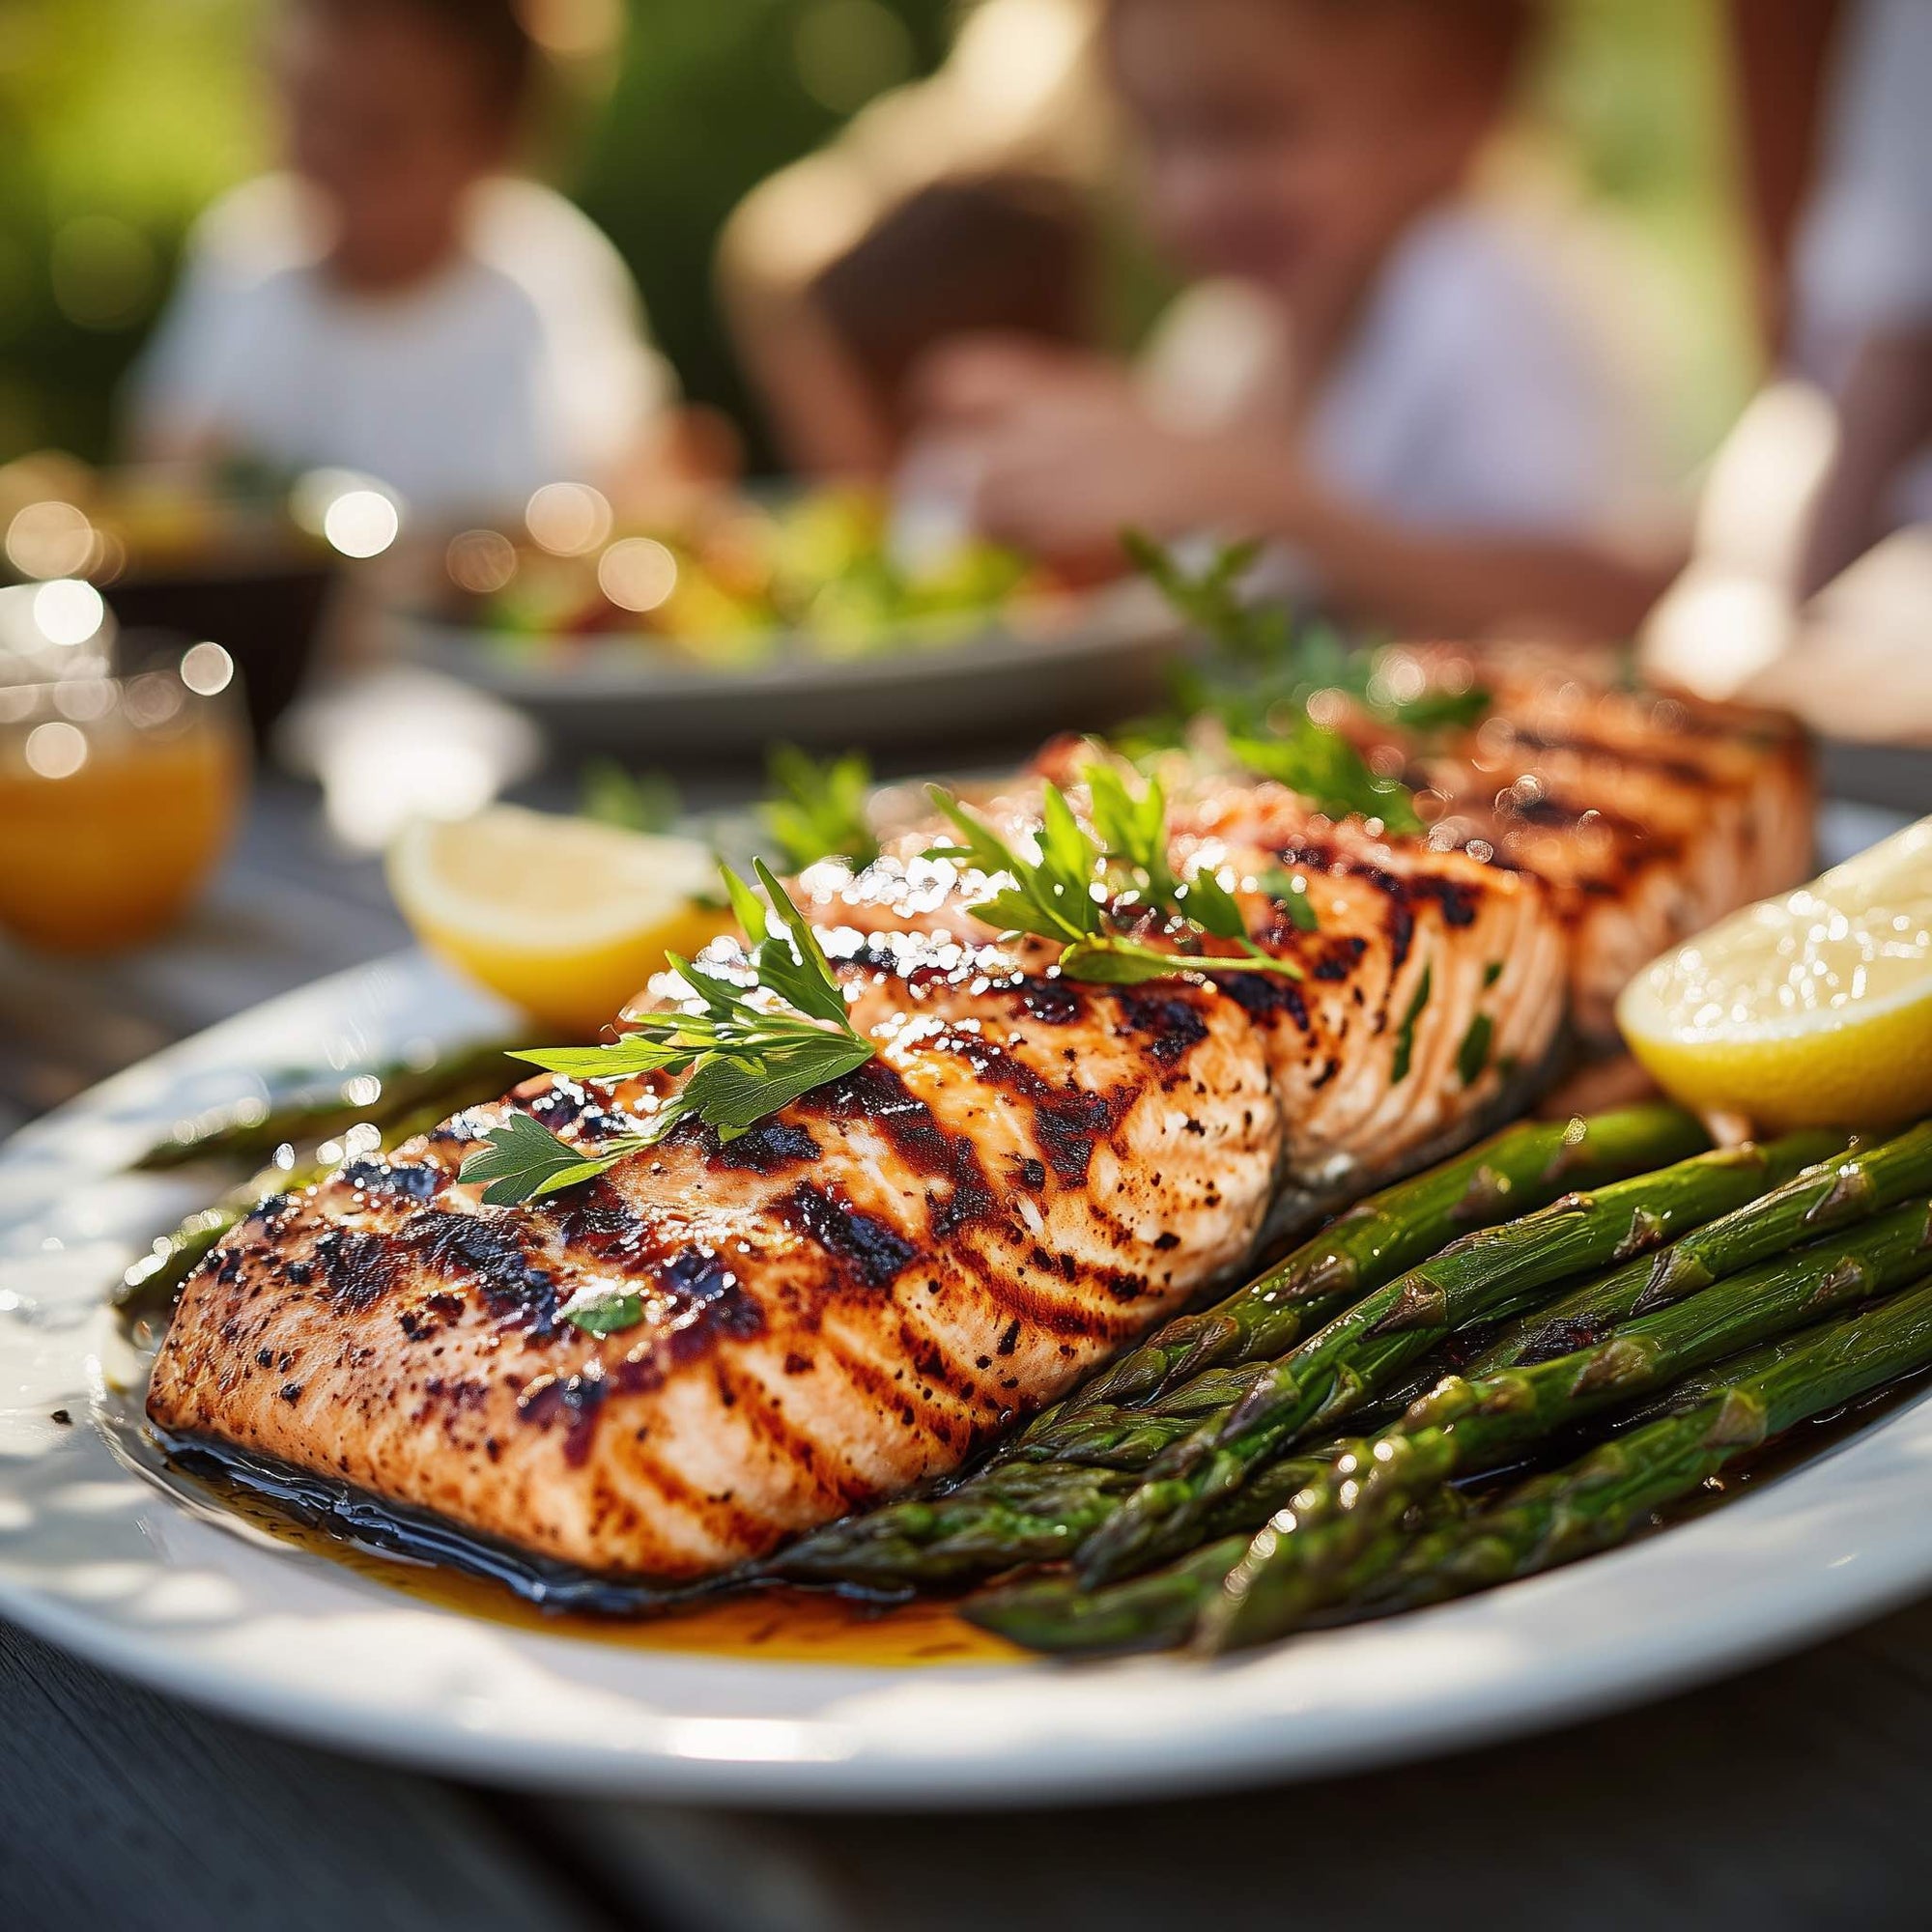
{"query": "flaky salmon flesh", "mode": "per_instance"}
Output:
(889, 1273)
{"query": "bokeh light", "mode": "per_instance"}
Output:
(152, 699)
(55, 750)
(206, 668)
(361, 523)
(636, 572)
(51, 539)
(85, 699)
(68, 611)
(481, 561)
(568, 518)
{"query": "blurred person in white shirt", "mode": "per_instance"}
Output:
(1422, 419)
(396, 303)
(1862, 284)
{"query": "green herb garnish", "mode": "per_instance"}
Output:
(1405, 1038)
(1263, 670)
(817, 810)
(603, 1313)
(1210, 598)
(1474, 1055)
(1073, 892)
(635, 801)
(1330, 772)
(1290, 893)
(746, 1060)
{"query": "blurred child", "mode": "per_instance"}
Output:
(397, 305)
(1005, 256)
(1436, 440)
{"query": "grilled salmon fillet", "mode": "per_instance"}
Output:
(893, 1269)
(853, 1296)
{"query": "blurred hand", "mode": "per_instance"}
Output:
(1063, 476)
(981, 379)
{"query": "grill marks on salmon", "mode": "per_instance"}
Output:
(1648, 818)
(842, 1302)
(852, 1297)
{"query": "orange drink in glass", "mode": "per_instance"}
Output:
(118, 798)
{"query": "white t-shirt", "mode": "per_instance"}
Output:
(1473, 396)
(522, 363)
(1863, 263)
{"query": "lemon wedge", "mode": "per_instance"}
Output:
(566, 917)
(1812, 1009)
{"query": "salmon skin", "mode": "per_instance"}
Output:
(893, 1269)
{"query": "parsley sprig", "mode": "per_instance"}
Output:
(1078, 889)
(745, 1057)
(1261, 676)
(817, 809)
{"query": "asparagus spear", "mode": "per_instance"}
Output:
(1523, 1167)
(1298, 1564)
(1021, 1514)
(1498, 1272)
(151, 1285)
(1158, 1611)
(1862, 1182)
(1599, 1500)
(1245, 1591)
(987, 1524)
(317, 1110)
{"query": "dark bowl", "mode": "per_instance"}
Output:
(266, 617)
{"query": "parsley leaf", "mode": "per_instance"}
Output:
(817, 810)
(1290, 893)
(1263, 670)
(1063, 895)
(744, 1060)
(1404, 1036)
(1330, 772)
(635, 801)
(1474, 1055)
(523, 1160)
(598, 1312)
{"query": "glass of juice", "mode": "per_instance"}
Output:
(118, 798)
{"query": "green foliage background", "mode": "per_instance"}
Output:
(120, 119)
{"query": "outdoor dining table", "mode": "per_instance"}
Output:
(1793, 1794)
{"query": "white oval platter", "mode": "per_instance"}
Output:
(96, 1557)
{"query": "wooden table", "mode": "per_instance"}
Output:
(1789, 1797)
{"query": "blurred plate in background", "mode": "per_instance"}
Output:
(1072, 662)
